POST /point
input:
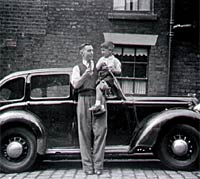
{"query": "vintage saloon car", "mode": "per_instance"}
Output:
(38, 118)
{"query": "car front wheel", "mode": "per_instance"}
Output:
(179, 147)
(18, 150)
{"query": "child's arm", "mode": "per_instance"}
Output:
(100, 64)
(116, 67)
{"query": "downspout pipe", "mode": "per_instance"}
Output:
(171, 34)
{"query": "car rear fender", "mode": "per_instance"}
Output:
(28, 120)
(147, 134)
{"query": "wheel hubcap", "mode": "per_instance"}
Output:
(180, 147)
(14, 149)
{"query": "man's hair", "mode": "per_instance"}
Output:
(83, 45)
(108, 45)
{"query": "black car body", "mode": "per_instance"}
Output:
(38, 117)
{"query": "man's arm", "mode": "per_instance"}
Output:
(77, 80)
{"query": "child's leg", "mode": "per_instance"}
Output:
(99, 94)
(100, 89)
(98, 102)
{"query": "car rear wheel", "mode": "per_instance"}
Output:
(179, 147)
(18, 150)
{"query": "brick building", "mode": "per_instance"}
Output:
(158, 45)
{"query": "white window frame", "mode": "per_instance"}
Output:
(133, 84)
(132, 5)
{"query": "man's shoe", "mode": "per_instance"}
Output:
(98, 172)
(89, 172)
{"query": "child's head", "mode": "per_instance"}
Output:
(107, 48)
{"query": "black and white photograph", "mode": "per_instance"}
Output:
(100, 89)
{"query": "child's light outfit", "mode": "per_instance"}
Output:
(105, 81)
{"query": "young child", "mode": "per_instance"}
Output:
(105, 82)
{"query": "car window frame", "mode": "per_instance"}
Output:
(24, 90)
(46, 74)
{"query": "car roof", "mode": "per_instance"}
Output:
(36, 71)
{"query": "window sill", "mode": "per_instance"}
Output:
(132, 16)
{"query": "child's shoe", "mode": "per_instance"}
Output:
(98, 109)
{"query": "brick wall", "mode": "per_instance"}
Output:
(185, 75)
(24, 16)
(23, 27)
(47, 33)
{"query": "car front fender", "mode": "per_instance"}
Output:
(8, 118)
(147, 134)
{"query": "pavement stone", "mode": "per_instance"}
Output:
(111, 171)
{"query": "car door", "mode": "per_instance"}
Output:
(50, 100)
(121, 123)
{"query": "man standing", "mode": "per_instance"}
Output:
(92, 129)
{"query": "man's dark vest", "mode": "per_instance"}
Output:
(89, 86)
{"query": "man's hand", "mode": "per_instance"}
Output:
(88, 72)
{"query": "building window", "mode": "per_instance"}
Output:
(132, 5)
(134, 62)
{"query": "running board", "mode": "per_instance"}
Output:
(108, 149)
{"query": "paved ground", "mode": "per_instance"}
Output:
(137, 169)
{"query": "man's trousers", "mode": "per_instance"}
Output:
(92, 134)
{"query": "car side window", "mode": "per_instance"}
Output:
(12, 90)
(50, 86)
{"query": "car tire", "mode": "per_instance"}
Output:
(18, 150)
(179, 147)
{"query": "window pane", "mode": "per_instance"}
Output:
(141, 55)
(50, 86)
(119, 57)
(140, 87)
(131, 5)
(4, 94)
(144, 5)
(127, 70)
(141, 59)
(128, 59)
(140, 70)
(127, 86)
(119, 5)
(13, 89)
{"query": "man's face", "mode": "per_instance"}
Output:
(87, 53)
(105, 52)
